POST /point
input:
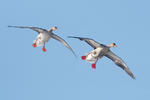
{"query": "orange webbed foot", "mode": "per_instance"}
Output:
(83, 57)
(34, 45)
(44, 49)
(94, 66)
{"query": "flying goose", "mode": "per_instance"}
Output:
(101, 50)
(44, 36)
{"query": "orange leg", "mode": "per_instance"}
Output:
(84, 57)
(44, 49)
(94, 65)
(34, 45)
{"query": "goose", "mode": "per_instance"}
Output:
(44, 36)
(101, 50)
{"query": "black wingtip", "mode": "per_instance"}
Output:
(75, 55)
(129, 73)
(71, 37)
(133, 78)
(10, 26)
(80, 38)
(73, 52)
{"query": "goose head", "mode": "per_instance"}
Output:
(53, 29)
(112, 45)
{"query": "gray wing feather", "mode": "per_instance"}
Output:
(39, 30)
(63, 42)
(91, 42)
(118, 61)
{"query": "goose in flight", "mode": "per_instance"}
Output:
(44, 36)
(101, 50)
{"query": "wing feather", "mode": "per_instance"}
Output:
(118, 61)
(39, 30)
(63, 42)
(91, 42)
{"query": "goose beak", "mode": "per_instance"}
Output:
(55, 28)
(115, 46)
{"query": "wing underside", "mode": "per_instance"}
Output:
(91, 42)
(39, 30)
(119, 62)
(63, 42)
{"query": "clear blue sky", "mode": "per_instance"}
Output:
(26, 73)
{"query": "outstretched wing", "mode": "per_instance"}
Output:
(39, 30)
(91, 42)
(118, 61)
(63, 42)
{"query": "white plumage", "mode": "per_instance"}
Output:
(93, 55)
(41, 39)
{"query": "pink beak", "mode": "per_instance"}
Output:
(115, 45)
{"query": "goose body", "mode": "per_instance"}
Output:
(101, 50)
(93, 55)
(41, 39)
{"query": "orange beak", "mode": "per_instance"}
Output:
(115, 45)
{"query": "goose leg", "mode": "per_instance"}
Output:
(84, 57)
(44, 49)
(94, 64)
(34, 45)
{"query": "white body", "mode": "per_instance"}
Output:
(92, 57)
(41, 39)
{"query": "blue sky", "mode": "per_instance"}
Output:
(26, 73)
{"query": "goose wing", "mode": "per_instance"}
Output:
(91, 42)
(118, 61)
(62, 41)
(39, 30)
